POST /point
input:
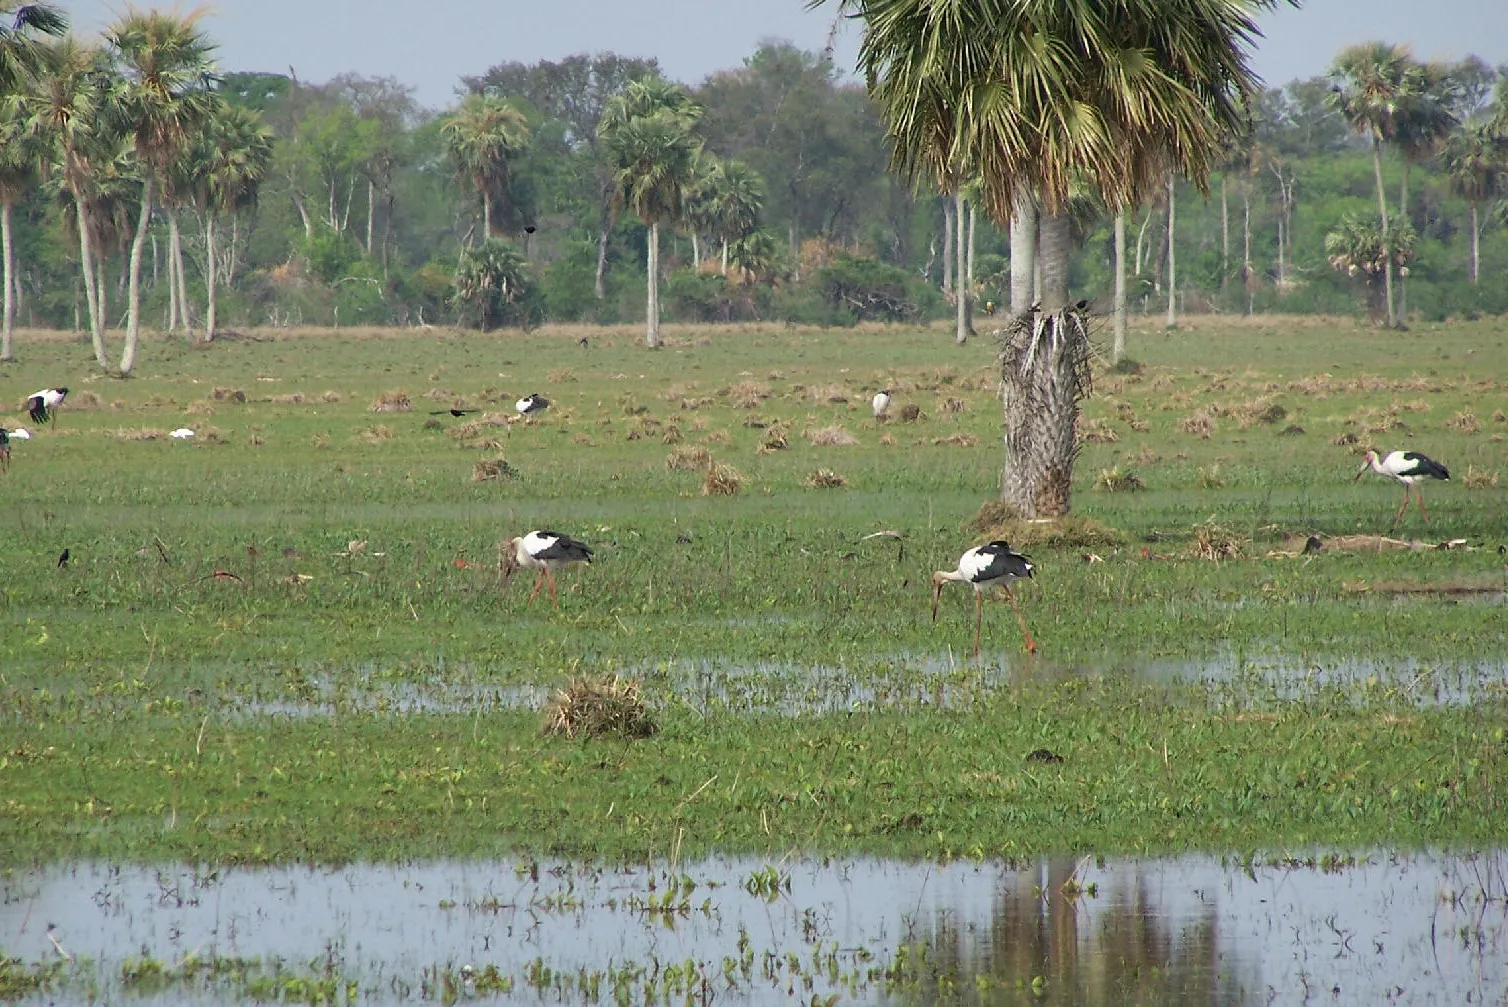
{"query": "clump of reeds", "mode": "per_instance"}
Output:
(228, 395)
(688, 458)
(392, 402)
(492, 468)
(1097, 432)
(956, 440)
(774, 439)
(599, 708)
(1199, 423)
(376, 435)
(1214, 542)
(1465, 421)
(1477, 479)
(1114, 480)
(834, 436)
(825, 479)
(672, 435)
(722, 480)
(911, 412)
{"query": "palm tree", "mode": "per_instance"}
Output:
(739, 204)
(18, 173)
(648, 131)
(1362, 250)
(165, 67)
(236, 152)
(492, 279)
(1033, 97)
(1426, 121)
(483, 138)
(1476, 164)
(20, 60)
(1373, 83)
(65, 110)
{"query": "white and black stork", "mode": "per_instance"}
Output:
(44, 404)
(980, 568)
(1408, 467)
(545, 551)
(529, 405)
(880, 403)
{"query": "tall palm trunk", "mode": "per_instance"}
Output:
(1224, 234)
(1118, 347)
(968, 270)
(209, 277)
(1023, 252)
(1248, 277)
(1172, 260)
(1382, 213)
(1403, 215)
(133, 294)
(1044, 373)
(961, 290)
(8, 319)
(91, 294)
(947, 277)
(1476, 239)
(179, 313)
(652, 308)
(486, 214)
(371, 208)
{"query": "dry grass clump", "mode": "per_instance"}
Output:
(1139, 426)
(1096, 432)
(722, 480)
(376, 435)
(718, 437)
(830, 437)
(1146, 456)
(1316, 385)
(835, 394)
(672, 435)
(139, 434)
(599, 708)
(956, 440)
(1478, 479)
(560, 376)
(1345, 440)
(289, 399)
(492, 468)
(1113, 480)
(748, 394)
(999, 520)
(330, 397)
(1414, 406)
(774, 439)
(911, 412)
(321, 442)
(825, 479)
(433, 424)
(1291, 430)
(1208, 477)
(1498, 416)
(888, 440)
(952, 406)
(688, 458)
(392, 402)
(199, 408)
(1213, 542)
(1198, 423)
(1465, 421)
(256, 440)
(228, 395)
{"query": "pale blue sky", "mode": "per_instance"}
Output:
(430, 45)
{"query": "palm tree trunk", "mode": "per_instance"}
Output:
(175, 293)
(175, 267)
(599, 287)
(1055, 256)
(371, 208)
(1172, 259)
(1403, 214)
(961, 291)
(133, 295)
(696, 252)
(725, 256)
(1476, 236)
(947, 277)
(1224, 234)
(7, 253)
(235, 245)
(1247, 279)
(486, 215)
(1023, 251)
(172, 287)
(91, 295)
(1382, 213)
(652, 309)
(1118, 347)
(968, 270)
(209, 277)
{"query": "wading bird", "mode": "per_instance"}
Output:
(1408, 467)
(545, 551)
(45, 403)
(531, 404)
(880, 403)
(981, 567)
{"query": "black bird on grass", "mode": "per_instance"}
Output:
(44, 404)
(63, 560)
(453, 412)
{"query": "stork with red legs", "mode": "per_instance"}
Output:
(980, 568)
(545, 551)
(1408, 467)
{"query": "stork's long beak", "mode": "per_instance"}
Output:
(1361, 471)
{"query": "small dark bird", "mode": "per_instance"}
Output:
(63, 560)
(530, 404)
(4, 449)
(529, 229)
(584, 344)
(545, 551)
(1313, 545)
(44, 404)
(453, 412)
(1044, 755)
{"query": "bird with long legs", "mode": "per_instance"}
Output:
(545, 551)
(982, 567)
(1408, 467)
(43, 405)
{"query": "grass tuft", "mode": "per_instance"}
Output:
(1214, 542)
(392, 402)
(599, 708)
(688, 458)
(1113, 480)
(825, 479)
(834, 436)
(722, 480)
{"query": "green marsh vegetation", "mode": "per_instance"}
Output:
(285, 639)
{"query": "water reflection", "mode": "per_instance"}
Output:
(1183, 930)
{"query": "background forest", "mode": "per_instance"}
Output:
(553, 191)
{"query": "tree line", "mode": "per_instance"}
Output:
(140, 185)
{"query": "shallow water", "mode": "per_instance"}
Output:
(1410, 927)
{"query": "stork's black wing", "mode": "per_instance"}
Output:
(1423, 466)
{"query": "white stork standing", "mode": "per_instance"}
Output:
(1408, 467)
(531, 404)
(880, 403)
(44, 404)
(545, 551)
(980, 568)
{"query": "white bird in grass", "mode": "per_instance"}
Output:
(880, 403)
(42, 405)
(1408, 467)
(531, 404)
(545, 551)
(981, 567)
(20, 434)
(181, 434)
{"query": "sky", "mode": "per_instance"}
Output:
(431, 45)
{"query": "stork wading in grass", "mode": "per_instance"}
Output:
(1408, 467)
(530, 405)
(545, 551)
(880, 403)
(980, 568)
(44, 404)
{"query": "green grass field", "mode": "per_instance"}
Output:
(218, 673)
